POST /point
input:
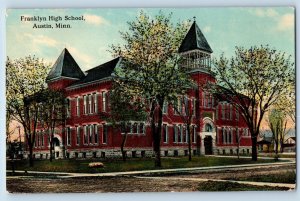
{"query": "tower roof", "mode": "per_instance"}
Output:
(194, 39)
(99, 72)
(65, 66)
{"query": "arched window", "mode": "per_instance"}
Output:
(208, 128)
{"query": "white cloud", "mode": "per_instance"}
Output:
(264, 12)
(79, 55)
(95, 19)
(286, 22)
(207, 29)
(42, 40)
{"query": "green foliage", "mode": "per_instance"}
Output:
(150, 65)
(124, 107)
(254, 79)
(151, 58)
(25, 78)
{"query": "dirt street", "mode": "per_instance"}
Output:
(132, 184)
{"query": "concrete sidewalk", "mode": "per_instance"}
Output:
(177, 170)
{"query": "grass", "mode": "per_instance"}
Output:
(288, 177)
(132, 164)
(230, 186)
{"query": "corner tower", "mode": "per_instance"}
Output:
(64, 72)
(195, 51)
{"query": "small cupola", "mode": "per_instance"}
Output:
(195, 50)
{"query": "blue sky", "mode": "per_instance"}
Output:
(89, 40)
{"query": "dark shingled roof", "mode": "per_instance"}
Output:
(66, 66)
(193, 40)
(99, 72)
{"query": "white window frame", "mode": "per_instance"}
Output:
(95, 102)
(77, 106)
(77, 135)
(85, 104)
(104, 101)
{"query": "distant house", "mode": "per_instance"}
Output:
(290, 145)
(215, 126)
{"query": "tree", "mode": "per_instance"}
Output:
(151, 65)
(52, 113)
(124, 109)
(278, 124)
(186, 112)
(254, 79)
(25, 77)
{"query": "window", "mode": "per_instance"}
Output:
(237, 115)
(208, 97)
(165, 133)
(42, 139)
(224, 135)
(77, 135)
(90, 104)
(176, 107)
(104, 134)
(103, 101)
(142, 128)
(230, 136)
(91, 134)
(180, 106)
(180, 133)
(84, 104)
(165, 107)
(175, 133)
(134, 128)
(237, 135)
(85, 134)
(208, 128)
(77, 107)
(230, 112)
(129, 126)
(68, 105)
(217, 111)
(204, 100)
(95, 103)
(187, 137)
(95, 133)
(223, 110)
(194, 134)
(194, 107)
(68, 136)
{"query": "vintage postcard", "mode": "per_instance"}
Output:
(150, 100)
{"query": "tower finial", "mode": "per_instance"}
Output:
(194, 18)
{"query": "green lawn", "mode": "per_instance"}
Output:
(131, 164)
(229, 186)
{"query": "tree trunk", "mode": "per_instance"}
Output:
(276, 147)
(281, 146)
(254, 148)
(238, 150)
(122, 146)
(51, 149)
(156, 131)
(30, 154)
(189, 141)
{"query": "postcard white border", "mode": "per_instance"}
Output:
(211, 196)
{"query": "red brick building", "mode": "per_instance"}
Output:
(216, 124)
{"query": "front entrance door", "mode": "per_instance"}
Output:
(208, 145)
